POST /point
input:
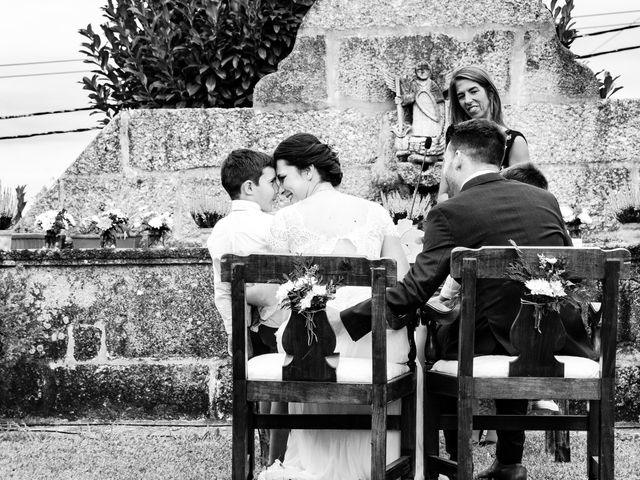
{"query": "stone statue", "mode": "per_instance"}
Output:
(421, 139)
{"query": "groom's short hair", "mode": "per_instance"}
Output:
(480, 139)
(242, 165)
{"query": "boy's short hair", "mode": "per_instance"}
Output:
(242, 165)
(480, 139)
(526, 173)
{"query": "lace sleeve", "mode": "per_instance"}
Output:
(278, 239)
(382, 221)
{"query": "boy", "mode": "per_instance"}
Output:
(250, 180)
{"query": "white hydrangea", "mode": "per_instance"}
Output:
(305, 303)
(283, 291)
(539, 286)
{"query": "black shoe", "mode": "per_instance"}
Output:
(498, 471)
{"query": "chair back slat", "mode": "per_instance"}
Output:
(609, 331)
(467, 317)
(586, 263)
(265, 268)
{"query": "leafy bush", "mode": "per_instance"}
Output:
(564, 22)
(628, 393)
(187, 53)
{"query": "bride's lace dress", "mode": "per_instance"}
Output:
(330, 222)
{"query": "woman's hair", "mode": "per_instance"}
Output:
(303, 150)
(481, 77)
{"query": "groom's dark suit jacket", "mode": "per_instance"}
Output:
(488, 211)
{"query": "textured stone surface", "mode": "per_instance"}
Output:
(161, 308)
(102, 155)
(130, 391)
(347, 14)
(552, 73)
(301, 77)
(360, 60)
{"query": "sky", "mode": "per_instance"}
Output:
(51, 34)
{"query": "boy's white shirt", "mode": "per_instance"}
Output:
(246, 229)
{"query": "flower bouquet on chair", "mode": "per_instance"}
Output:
(308, 338)
(547, 295)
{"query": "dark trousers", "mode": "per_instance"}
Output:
(510, 442)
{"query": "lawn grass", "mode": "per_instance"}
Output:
(145, 453)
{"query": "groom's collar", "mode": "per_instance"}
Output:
(483, 176)
(244, 205)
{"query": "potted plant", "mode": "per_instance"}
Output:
(408, 213)
(11, 206)
(206, 210)
(574, 218)
(54, 223)
(155, 226)
(627, 212)
(110, 225)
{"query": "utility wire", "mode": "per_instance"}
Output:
(610, 38)
(604, 26)
(29, 135)
(39, 63)
(608, 31)
(41, 74)
(605, 13)
(624, 49)
(54, 112)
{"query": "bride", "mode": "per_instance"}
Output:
(322, 220)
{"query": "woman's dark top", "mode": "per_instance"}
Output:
(511, 136)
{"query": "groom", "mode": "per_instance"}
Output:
(486, 209)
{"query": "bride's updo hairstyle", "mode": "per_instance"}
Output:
(303, 150)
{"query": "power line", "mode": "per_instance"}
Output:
(39, 63)
(624, 49)
(57, 132)
(610, 38)
(607, 31)
(53, 112)
(605, 13)
(603, 26)
(41, 74)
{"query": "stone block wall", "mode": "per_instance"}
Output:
(118, 334)
(134, 334)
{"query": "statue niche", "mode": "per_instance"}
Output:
(419, 134)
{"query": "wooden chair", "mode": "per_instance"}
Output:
(467, 379)
(250, 387)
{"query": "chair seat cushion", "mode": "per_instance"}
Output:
(498, 366)
(350, 369)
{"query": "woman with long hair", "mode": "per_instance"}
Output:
(472, 94)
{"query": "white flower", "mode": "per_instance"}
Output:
(61, 336)
(539, 286)
(54, 336)
(155, 222)
(557, 288)
(283, 291)
(32, 350)
(319, 290)
(40, 348)
(567, 213)
(65, 319)
(103, 223)
(584, 217)
(305, 303)
(46, 325)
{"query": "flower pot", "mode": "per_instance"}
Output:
(155, 239)
(27, 240)
(538, 329)
(129, 242)
(630, 233)
(5, 239)
(85, 240)
(54, 240)
(309, 350)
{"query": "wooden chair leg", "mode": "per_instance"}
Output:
(408, 432)
(379, 433)
(607, 437)
(465, 427)
(593, 441)
(240, 439)
(431, 439)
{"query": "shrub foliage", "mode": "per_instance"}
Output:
(186, 53)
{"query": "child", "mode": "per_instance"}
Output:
(249, 178)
